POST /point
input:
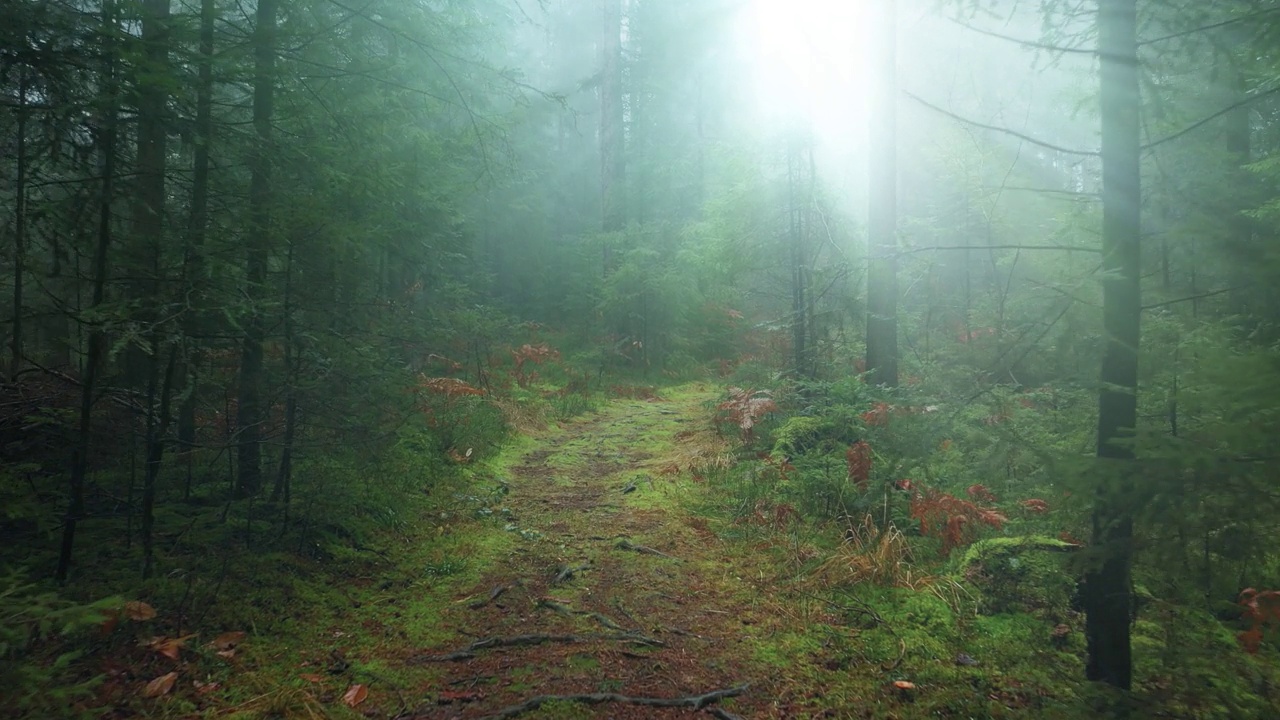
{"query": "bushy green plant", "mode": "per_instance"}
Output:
(37, 671)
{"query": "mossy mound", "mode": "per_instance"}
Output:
(1020, 574)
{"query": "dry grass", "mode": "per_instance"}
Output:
(870, 554)
(701, 451)
(523, 417)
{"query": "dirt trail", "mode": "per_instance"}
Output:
(618, 591)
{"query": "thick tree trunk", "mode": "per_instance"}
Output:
(882, 218)
(250, 411)
(1107, 592)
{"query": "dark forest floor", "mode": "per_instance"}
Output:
(603, 558)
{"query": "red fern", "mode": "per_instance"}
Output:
(1260, 608)
(1035, 505)
(536, 354)
(981, 493)
(745, 408)
(877, 415)
(858, 459)
(953, 520)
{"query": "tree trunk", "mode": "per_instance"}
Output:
(19, 224)
(612, 161)
(250, 411)
(1107, 592)
(882, 218)
(197, 226)
(97, 339)
(153, 99)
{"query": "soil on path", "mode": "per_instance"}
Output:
(617, 589)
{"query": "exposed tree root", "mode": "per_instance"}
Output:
(469, 651)
(567, 611)
(696, 702)
(493, 595)
(625, 544)
(565, 573)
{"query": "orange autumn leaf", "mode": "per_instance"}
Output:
(169, 647)
(356, 694)
(162, 685)
(311, 677)
(228, 640)
(138, 611)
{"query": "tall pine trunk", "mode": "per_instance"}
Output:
(97, 340)
(882, 217)
(250, 411)
(1107, 593)
(197, 226)
(153, 97)
(612, 160)
(19, 224)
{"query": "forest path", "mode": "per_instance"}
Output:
(613, 585)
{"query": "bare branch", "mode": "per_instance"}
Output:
(1003, 130)
(1205, 120)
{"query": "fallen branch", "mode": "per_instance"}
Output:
(697, 702)
(469, 651)
(625, 544)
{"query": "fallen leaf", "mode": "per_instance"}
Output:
(311, 677)
(138, 611)
(205, 687)
(228, 640)
(169, 647)
(160, 686)
(904, 685)
(226, 654)
(356, 694)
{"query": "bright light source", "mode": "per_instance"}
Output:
(811, 65)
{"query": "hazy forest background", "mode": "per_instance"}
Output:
(983, 284)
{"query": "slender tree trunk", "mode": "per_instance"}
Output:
(1107, 592)
(197, 226)
(19, 224)
(153, 96)
(284, 476)
(882, 218)
(250, 412)
(157, 428)
(612, 160)
(97, 339)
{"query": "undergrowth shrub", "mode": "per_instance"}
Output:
(37, 658)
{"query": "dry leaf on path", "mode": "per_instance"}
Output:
(356, 694)
(228, 640)
(162, 685)
(169, 647)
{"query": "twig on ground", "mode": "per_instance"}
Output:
(697, 702)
